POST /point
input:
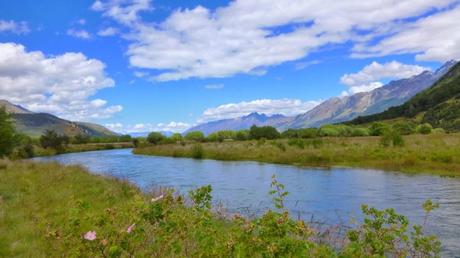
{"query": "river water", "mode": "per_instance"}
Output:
(331, 196)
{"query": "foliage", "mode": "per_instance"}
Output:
(155, 137)
(125, 138)
(81, 139)
(7, 134)
(300, 133)
(392, 137)
(424, 128)
(405, 127)
(196, 136)
(50, 139)
(266, 132)
(378, 129)
(197, 151)
(67, 212)
(222, 135)
(242, 135)
(438, 105)
(176, 137)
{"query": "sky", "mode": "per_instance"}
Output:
(166, 65)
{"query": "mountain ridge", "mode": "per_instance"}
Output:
(34, 124)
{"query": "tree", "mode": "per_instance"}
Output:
(50, 139)
(196, 136)
(266, 132)
(81, 139)
(7, 133)
(176, 137)
(125, 138)
(155, 137)
(378, 129)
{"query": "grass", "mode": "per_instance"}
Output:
(39, 151)
(435, 153)
(49, 210)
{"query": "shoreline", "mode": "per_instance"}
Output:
(422, 154)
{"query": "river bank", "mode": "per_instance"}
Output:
(73, 148)
(52, 210)
(436, 153)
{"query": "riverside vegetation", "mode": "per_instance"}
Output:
(399, 146)
(50, 210)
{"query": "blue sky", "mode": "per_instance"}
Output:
(141, 65)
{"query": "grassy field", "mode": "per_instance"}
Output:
(48, 210)
(39, 151)
(435, 153)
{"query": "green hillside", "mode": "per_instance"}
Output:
(438, 105)
(34, 124)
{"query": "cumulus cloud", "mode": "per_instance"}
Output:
(82, 34)
(109, 31)
(14, 27)
(62, 84)
(176, 127)
(433, 38)
(123, 11)
(245, 36)
(288, 107)
(369, 77)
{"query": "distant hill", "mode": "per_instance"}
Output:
(438, 105)
(337, 110)
(34, 124)
(241, 123)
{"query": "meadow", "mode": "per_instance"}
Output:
(416, 153)
(50, 210)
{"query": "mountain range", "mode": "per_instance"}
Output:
(241, 123)
(337, 109)
(34, 124)
(438, 105)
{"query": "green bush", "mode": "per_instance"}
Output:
(197, 151)
(405, 127)
(300, 143)
(424, 128)
(378, 129)
(242, 135)
(195, 136)
(392, 137)
(50, 139)
(357, 132)
(266, 132)
(155, 137)
(7, 134)
(176, 137)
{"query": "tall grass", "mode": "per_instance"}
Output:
(435, 153)
(47, 210)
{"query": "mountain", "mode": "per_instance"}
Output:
(34, 124)
(241, 123)
(438, 105)
(336, 110)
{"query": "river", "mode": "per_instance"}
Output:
(331, 196)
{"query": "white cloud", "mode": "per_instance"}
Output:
(369, 77)
(434, 38)
(123, 11)
(62, 84)
(176, 127)
(288, 107)
(82, 34)
(244, 36)
(14, 27)
(109, 31)
(214, 86)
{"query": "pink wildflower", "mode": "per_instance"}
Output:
(157, 198)
(90, 235)
(130, 228)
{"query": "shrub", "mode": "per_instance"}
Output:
(50, 139)
(424, 128)
(329, 130)
(155, 137)
(404, 127)
(242, 135)
(125, 138)
(197, 151)
(392, 137)
(135, 142)
(378, 129)
(267, 132)
(356, 132)
(7, 140)
(196, 136)
(438, 131)
(81, 139)
(176, 137)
